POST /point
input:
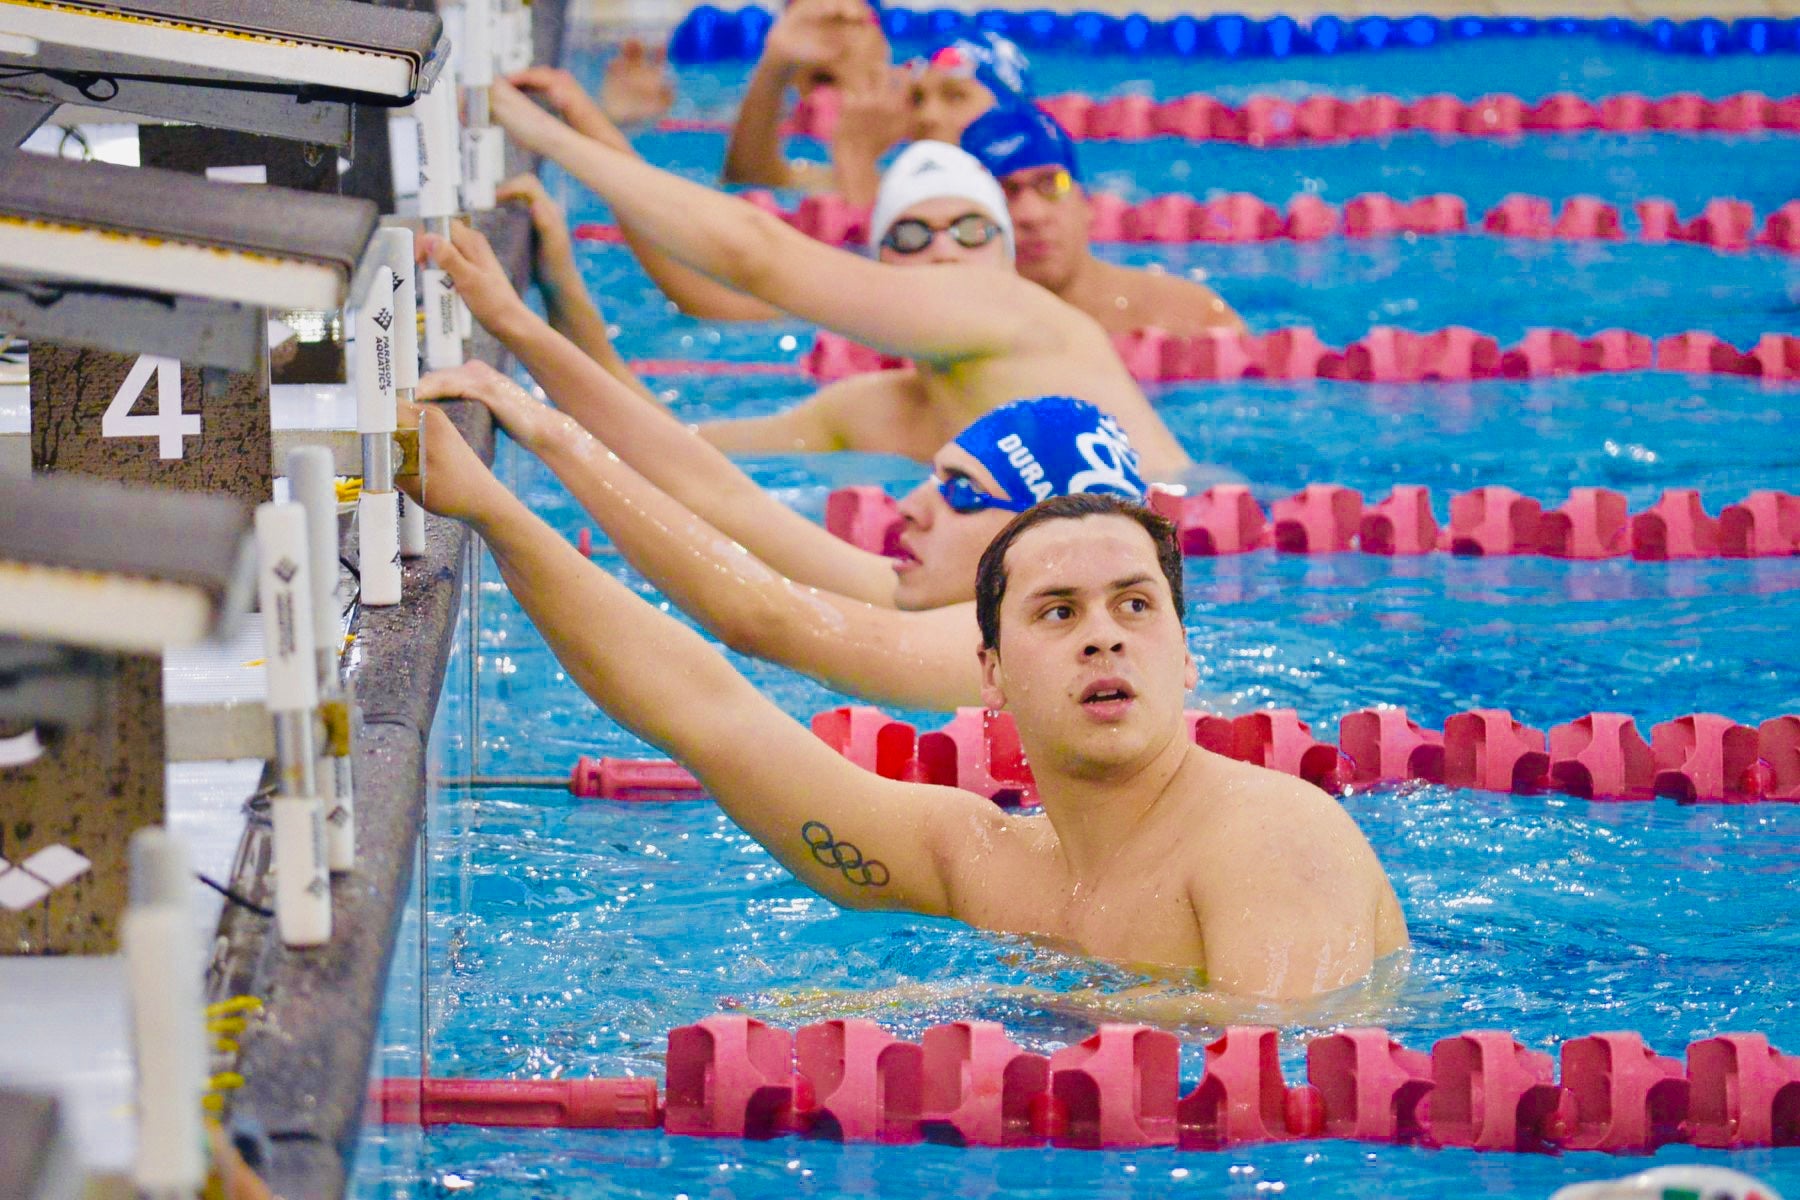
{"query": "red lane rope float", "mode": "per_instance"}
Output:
(1454, 354)
(967, 1083)
(1241, 218)
(1267, 120)
(630, 1103)
(1330, 518)
(1698, 758)
(1390, 355)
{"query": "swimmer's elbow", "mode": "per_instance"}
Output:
(751, 254)
(759, 625)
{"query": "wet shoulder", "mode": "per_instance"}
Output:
(1254, 811)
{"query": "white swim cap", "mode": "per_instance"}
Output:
(928, 171)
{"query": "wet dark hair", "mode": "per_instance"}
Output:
(990, 576)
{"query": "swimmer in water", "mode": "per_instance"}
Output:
(839, 43)
(1033, 157)
(1044, 200)
(979, 335)
(1155, 850)
(817, 44)
(762, 578)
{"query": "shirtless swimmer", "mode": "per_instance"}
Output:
(1154, 850)
(978, 334)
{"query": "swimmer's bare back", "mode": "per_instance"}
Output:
(913, 410)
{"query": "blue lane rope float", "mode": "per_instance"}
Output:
(712, 34)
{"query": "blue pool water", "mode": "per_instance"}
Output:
(561, 938)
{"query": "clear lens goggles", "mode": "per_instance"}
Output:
(971, 231)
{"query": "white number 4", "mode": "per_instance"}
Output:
(169, 424)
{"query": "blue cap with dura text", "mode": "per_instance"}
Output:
(1053, 446)
(1010, 138)
(990, 60)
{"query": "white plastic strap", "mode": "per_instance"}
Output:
(163, 969)
(477, 61)
(394, 243)
(484, 161)
(312, 481)
(443, 335)
(374, 363)
(302, 880)
(338, 797)
(412, 528)
(378, 534)
(439, 164)
(284, 587)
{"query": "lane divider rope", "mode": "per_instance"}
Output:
(1385, 355)
(712, 34)
(1268, 121)
(1693, 759)
(1240, 218)
(967, 1083)
(1491, 521)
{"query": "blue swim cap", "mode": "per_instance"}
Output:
(1009, 138)
(1053, 446)
(989, 60)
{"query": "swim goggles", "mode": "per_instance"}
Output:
(971, 231)
(963, 496)
(1053, 186)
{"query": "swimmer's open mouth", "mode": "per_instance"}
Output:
(1107, 691)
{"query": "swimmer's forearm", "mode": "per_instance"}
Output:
(649, 672)
(716, 234)
(856, 172)
(577, 319)
(753, 153)
(715, 580)
(1221, 315)
(696, 293)
(858, 839)
(744, 601)
(681, 463)
(911, 660)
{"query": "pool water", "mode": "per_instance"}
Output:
(558, 937)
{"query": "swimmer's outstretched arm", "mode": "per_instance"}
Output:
(753, 152)
(646, 435)
(827, 34)
(858, 839)
(938, 316)
(880, 654)
(571, 309)
(692, 292)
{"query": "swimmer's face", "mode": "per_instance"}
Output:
(1051, 220)
(1092, 658)
(944, 545)
(944, 104)
(940, 214)
(863, 48)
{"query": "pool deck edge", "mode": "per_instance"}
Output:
(305, 1062)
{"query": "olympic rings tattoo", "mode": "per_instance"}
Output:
(842, 856)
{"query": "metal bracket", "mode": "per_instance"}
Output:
(409, 454)
(213, 333)
(202, 97)
(20, 116)
(336, 716)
